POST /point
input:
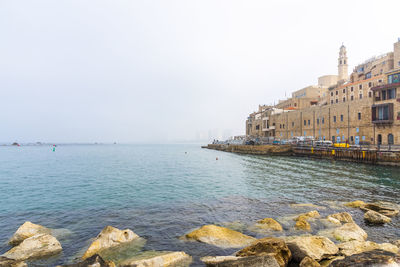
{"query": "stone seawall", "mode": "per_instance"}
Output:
(389, 158)
(254, 150)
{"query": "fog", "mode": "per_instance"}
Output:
(169, 71)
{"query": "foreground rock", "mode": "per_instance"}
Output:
(93, 261)
(6, 262)
(349, 232)
(269, 224)
(272, 246)
(376, 218)
(385, 208)
(37, 246)
(234, 261)
(308, 262)
(109, 237)
(356, 247)
(220, 236)
(315, 247)
(369, 258)
(167, 259)
(27, 230)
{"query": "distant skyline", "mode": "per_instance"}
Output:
(169, 71)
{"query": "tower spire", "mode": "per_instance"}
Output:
(342, 64)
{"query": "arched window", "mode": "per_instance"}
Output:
(390, 139)
(379, 139)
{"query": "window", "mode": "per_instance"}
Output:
(344, 61)
(394, 78)
(323, 121)
(352, 89)
(331, 101)
(383, 94)
(369, 94)
(360, 96)
(390, 139)
(292, 124)
(344, 91)
(383, 113)
(283, 126)
(360, 87)
(341, 117)
(280, 126)
(344, 99)
(359, 116)
(317, 121)
(368, 75)
(351, 138)
(391, 93)
(352, 97)
(334, 118)
(331, 93)
(257, 127)
(305, 122)
(337, 92)
(295, 104)
(337, 100)
(369, 84)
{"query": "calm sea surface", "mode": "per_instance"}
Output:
(164, 191)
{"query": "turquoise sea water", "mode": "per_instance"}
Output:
(164, 191)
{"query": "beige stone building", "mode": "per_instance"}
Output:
(361, 108)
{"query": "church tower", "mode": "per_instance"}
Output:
(342, 65)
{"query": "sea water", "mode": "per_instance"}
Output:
(162, 192)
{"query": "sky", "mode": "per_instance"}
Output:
(169, 71)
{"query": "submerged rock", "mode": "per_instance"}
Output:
(6, 262)
(109, 237)
(308, 215)
(220, 237)
(27, 230)
(309, 262)
(93, 261)
(376, 218)
(315, 247)
(369, 258)
(355, 247)
(302, 224)
(348, 232)
(234, 261)
(37, 246)
(355, 204)
(269, 224)
(385, 208)
(343, 217)
(268, 246)
(165, 259)
(307, 205)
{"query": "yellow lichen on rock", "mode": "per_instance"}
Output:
(308, 215)
(220, 236)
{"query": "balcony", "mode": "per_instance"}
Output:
(385, 86)
(268, 128)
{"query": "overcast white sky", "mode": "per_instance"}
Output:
(164, 71)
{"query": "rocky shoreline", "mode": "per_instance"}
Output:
(339, 241)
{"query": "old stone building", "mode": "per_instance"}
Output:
(363, 107)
